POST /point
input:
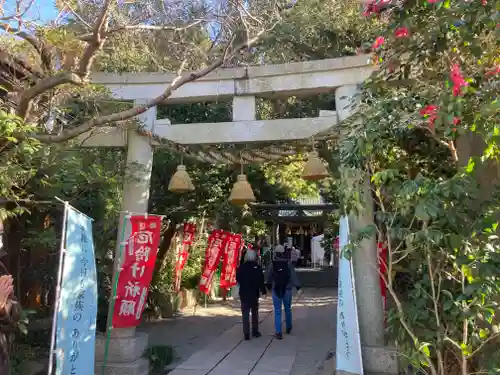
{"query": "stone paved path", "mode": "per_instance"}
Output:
(316, 318)
(213, 345)
(194, 329)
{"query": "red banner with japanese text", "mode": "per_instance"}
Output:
(216, 242)
(139, 257)
(230, 260)
(183, 252)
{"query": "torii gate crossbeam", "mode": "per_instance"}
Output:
(242, 86)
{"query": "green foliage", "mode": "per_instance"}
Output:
(159, 357)
(16, 155)
(434, 205)
(319, 29)
(92, 179)
(287, 173)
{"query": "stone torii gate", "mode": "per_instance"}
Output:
(242, 86)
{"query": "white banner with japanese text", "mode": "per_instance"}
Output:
(77, 305)
(348, 339)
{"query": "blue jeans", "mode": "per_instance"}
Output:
(286, 300)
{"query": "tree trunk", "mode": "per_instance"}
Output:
(168, 236)
(488, 174)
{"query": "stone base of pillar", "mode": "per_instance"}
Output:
(138, 367)
(341, 372)
(376, 361)
(124, 355)
(380, 360)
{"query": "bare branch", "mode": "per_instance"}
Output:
(44, 85)
(18, 14)
(494, 336)
(142, 27)
(78, 78)
(96, 42)
(75, 13)
(41, 48)
(127, 114)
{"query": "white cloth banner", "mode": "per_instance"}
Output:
(348, 339)
(318, 253)
(77, 304)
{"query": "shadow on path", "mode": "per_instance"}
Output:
(210, 342)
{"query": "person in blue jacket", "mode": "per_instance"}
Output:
(281, 279)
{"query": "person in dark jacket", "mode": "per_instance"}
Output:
(281, 279)
(251, 283)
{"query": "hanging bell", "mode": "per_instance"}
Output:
(180, 181)
(301, 230)
(288, 230)
(242, 192)
(314, 169)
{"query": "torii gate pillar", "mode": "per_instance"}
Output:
(126, 346)
(376, 357)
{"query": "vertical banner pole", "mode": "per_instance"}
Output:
(62, 250)
(109, 327)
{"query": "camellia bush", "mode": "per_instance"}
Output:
(427, 134)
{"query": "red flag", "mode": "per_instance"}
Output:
(230, 261)
(183, 252)
(216, 243)
(139, 259)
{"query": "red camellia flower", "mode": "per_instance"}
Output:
(430, 113)
(430, 109)
(401, 32)
(493, 72)
(457, 79)
(433, 1)
(378, 42)
(375, 7)
(456, 120)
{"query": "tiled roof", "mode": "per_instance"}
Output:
(304, 202)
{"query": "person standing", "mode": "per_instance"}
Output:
(281, 279)
(295, 256)
(9, 316)
(250, 278)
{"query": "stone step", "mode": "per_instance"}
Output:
(318, 278)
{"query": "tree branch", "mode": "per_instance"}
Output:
(141, 27)
(42, 86)
(65, 77)
(40, 47)
(96, 42)
(85, 23)
(18, 14)
(478, 349)
(129, 113)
